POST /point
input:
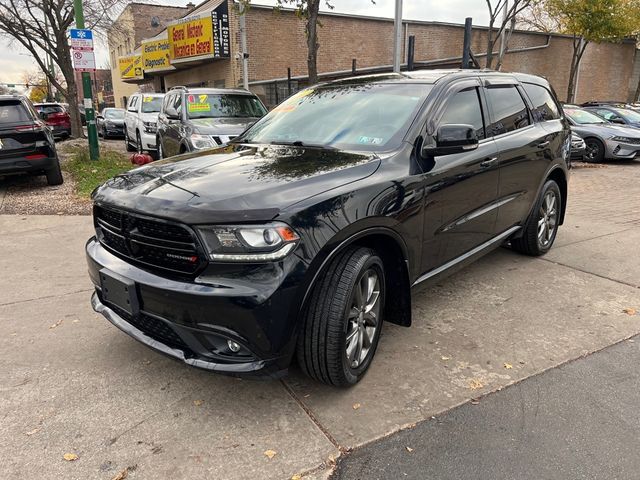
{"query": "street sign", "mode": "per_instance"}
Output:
(84, 61)
(81, 39)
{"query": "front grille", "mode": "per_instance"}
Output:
(151, 242)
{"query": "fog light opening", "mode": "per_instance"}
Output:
(233, 346)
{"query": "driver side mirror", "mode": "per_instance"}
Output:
(171, 113)
(450, 139)
(619, 121)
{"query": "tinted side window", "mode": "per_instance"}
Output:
(544, 107)
(464, 108)
(608, 114)
(509, 111)
(167, 101)
(177, 104)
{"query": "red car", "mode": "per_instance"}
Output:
(56, 117)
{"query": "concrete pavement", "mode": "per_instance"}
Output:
(75, 384)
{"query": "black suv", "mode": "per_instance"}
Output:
(26, 142)
(200, 118)
(308, 231)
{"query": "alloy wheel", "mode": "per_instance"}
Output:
(548, 219)
(363, 318)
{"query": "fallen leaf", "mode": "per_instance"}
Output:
(356, 406)
(475, 401)
(508, 366)
(122, 474)
(629, 311)
(33, 432)
(296, 477)
(270, 453)
(475, 384)
(197, 403)
(409, 449)
(70, 457)
(146, 362)
(446, 358)
(57, 324)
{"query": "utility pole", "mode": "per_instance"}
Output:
(243, 47)
(92, 131)
(397, 37)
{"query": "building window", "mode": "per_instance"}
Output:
(277, 92)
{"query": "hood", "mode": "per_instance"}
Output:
(234, 184)
(606, 130)
(149, 117)
(222, 126)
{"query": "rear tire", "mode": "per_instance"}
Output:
(160, 153)
(138, 143)
(343, 320)
(54, 175)
(594, 152)
(542, 226)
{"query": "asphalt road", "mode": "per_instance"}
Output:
(579, 421)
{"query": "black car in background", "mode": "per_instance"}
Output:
(26, 141)
(110, 122)
(307, 232)
(194, 119)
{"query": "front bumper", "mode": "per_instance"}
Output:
(192, 320)
(114, 130)
(148, 140)
(624, 151)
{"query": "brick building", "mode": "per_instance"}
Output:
(136, 22)
(276, 42)
(102, 86)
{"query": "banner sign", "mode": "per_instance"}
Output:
(130, 67)
(201, 36)
(155, 55)
(220, 21)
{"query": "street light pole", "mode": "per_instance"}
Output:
(397, 37)
(94, 149)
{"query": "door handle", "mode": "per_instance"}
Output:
(543, 144)
(488, 162)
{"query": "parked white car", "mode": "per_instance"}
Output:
(141, 121)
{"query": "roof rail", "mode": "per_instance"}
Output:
(178, 87)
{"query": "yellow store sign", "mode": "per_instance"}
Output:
(131, 67)
(191, 38)
(155, 55)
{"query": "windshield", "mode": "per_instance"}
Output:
(582, 117)
(629, 115)
(151, 104)
(372, 117)
(223, 106)
(114, 114)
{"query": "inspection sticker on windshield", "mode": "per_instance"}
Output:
(147, 99)
(370, 140)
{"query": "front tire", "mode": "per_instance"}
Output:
(542, 226)
(127, 142)
(138, 143)
(159, 149)
(343, 320)
(594, 152)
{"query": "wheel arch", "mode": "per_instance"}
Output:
(391, 248)
(559, 176)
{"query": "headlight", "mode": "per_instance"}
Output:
(202, 141)
(249, 243)
(625, 139)
(150, 127)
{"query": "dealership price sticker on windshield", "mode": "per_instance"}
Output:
(200, 104)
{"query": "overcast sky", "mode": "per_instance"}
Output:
(14, 61)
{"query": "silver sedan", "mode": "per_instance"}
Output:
(604, 140)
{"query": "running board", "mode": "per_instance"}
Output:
(465, 256)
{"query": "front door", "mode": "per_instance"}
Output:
(461, 189)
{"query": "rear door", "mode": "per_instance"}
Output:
(461, 188)
(19, 133)
(524, 148)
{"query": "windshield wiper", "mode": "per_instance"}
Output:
(299, 143)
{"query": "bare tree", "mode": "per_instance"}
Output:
(40, 26)
(509, 10)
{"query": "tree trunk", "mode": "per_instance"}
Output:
(71, 93)
(636, 98)
(579, 47)
(312, 40)
(489, 60)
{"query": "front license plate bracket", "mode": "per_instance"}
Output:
(119, 291)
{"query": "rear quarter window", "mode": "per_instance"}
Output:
(544, 106)
(14, 112)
